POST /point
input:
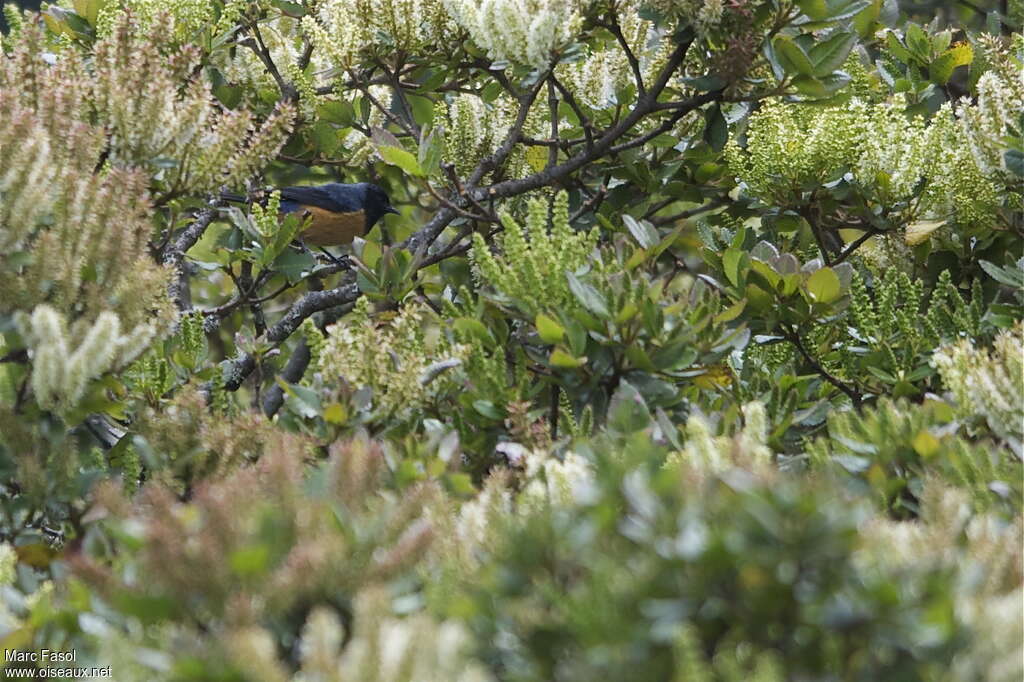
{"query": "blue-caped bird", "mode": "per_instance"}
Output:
(338, 212)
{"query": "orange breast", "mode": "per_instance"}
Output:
(333, 229)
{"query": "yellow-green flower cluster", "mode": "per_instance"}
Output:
(957, 157)
(521, 31)
(406, 363)
(61, 371)
(474, 128)
(190, 16)
(532, 269)
(792, 148)
(8, 563)
(988, 383)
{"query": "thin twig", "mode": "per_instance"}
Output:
(793, 338)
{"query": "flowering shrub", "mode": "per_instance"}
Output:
(692, 350)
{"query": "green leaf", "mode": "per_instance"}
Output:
(897, 48)
(917, 42)
(228, 95)
(705, 83)
(588, 296)
(941, 70)
(1014, 159)
(559, 358)
(292, 9)
(845, 10)
(549, 330)
(830, 55)
(815, 9)
(403, 159)
(716, 132)
(292, 264)
(430, 151)
(1011, 277)
(487, 409)
(643, 232)
(468, 326)
(731, 264)
(732, 312)
(792, 56)
(249, 561)
(866, 20)
(577, 337)
(88, 9)
(325, 137)
(422, 109)
(303, 401)
(337, 111)
(627, 410)
(824, 286)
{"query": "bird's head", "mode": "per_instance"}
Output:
(376, 203)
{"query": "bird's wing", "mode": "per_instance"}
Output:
(318, 197)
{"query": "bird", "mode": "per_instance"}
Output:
(339, 212)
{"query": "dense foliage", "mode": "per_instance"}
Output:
(695, 352)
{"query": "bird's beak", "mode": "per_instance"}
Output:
(392, 209)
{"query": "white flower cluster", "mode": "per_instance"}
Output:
(986, 124)
(522, 31)
(895, 151)
(283, 39)
(559, 483)
(595, 80)
(476, 516)
(985, 551)
(344, 29)
(413, 649)
(988, 384)
(25, 195)
(61, 372)
(169, 120)
(714, 454)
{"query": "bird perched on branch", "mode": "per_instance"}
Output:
(338, 212)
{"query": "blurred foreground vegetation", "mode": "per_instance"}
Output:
(695, 353)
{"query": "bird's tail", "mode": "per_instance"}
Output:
(234, 197)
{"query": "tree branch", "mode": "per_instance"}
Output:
(175, 257)
(794, 338)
